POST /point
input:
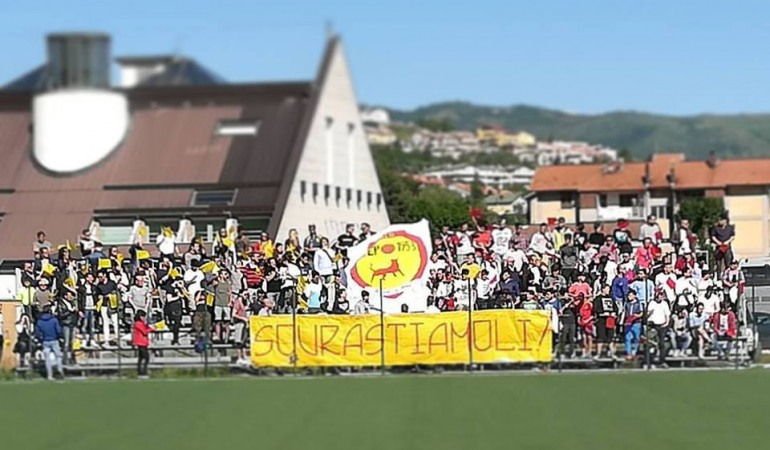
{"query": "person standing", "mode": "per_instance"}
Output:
(141, 341)
(606, 312)
(722, 236)
(658, 319)
(633, 312)
(68, 318)
(48, 331)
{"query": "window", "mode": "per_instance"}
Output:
(327, 192)
(349, 195)
(567, 200)
(603, 200)
(315, 191)
(116, 235)
(368, 199)
(661, 212)
(224, 197)
(379, 201)
(627, 200)
(359, 197)
(302, 190)
(237, 127)
(337, 194)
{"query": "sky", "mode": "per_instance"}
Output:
(590, 56)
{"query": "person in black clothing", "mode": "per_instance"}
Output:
(366, 231)
(568, 319)
(606, 312)
(581, 237)
(107, 297)
(347, 240)
(597, 237)
(173, 308)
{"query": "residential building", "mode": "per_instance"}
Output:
(608, 192)
(379, 134)
(564, 152)
(177, 142)
(499, 137)
(506, 203)
(496, 176)
(375, 116)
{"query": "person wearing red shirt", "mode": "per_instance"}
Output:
(141, 340)
(580, 287)
(586, 323)
(724, 331)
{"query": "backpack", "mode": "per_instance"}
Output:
(200, 344)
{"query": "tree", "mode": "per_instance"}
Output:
(477, 193)
(625, 155)
(702, 213)
(442, 124)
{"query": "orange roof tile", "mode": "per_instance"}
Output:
(688, 175)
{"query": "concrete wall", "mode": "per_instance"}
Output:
(541, 209)
(336, 154)
(749, 214)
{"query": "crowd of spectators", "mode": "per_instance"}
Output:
(601, 287)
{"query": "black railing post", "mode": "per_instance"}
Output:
(382, 331)
(470, 327)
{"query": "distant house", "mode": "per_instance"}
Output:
(631, 191)
(497, 176)
(506, 203)
(375, 116)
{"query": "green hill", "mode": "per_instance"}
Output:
(640, 133)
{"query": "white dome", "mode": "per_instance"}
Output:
(75, 129)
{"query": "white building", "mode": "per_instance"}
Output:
(496, 176)
(375, 116)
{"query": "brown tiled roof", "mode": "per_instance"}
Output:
(170, 150)
(688, 175)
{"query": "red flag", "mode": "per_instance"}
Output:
(476, 213)
(670, 283)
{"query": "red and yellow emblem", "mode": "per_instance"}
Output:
(396, 259)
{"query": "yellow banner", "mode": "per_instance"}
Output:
(497, 336)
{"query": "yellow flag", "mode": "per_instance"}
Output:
(227, 242)
(168, 232)
(48, 268)
(120, 258)
(66, 245)
(143, 231)
(173, 273)
(210, 299)
(142, 254)
(105, 263)
(209, 267)
(160, 326)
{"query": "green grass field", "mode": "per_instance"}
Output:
(652, 411)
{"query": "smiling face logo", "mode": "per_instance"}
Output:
(396, 259)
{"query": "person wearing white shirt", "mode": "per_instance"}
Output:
(501, 240)
(686, 290)
(684, 238)
(517, 257)
(362, 307)
(666, 282)
(483, 290)
(658, 318)
(540, 241)
(193, 279)
(323, 260)
(166, 241)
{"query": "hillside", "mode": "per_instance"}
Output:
(640, 133)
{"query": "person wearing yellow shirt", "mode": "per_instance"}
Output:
(266, 246)
(25, 296)
(472, 267)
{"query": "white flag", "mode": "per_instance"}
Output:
(395, 258)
